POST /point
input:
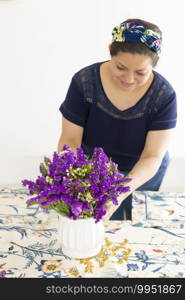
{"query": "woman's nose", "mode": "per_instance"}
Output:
(129, 78)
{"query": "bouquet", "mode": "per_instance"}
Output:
(77, 185)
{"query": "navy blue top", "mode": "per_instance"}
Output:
(121, 133)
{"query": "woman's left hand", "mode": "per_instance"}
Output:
(110, 212)
(112, 208)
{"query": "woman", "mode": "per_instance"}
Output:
(125, 107)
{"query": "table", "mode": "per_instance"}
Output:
(152, 245)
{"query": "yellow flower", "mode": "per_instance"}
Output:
(120, 261)
(63, 152)
(73, 272)
(108, 243)
(89, 267)
(51, 266)
(109, 251)
(125, 241)
(170, 211)
(49, 179)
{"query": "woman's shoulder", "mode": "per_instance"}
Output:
(163, 84)
(87, 71)
(163, 93)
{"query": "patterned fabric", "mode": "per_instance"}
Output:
(158, 209)
(136, 33)
(29, 245)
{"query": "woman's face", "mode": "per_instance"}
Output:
(130, 71)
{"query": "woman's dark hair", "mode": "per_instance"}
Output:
(138, 48)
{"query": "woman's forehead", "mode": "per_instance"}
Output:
(130, 60)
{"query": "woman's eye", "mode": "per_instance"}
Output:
(120, 68)
(141, 74)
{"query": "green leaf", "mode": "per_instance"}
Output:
(43, 169)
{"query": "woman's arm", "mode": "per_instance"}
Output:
(71, 135)
(157, 143)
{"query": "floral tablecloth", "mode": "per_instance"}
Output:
(152, 209)
(152, 245)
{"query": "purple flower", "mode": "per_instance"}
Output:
(76, 209)
(2, 274)
(77, 186)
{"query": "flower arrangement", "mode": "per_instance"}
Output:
(77, 185)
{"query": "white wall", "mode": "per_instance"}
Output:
(43, 42)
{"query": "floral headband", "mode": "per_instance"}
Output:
(137, 33)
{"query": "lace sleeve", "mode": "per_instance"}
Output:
(164, 116)
(74, 108)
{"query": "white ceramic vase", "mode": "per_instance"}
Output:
(80, 238)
